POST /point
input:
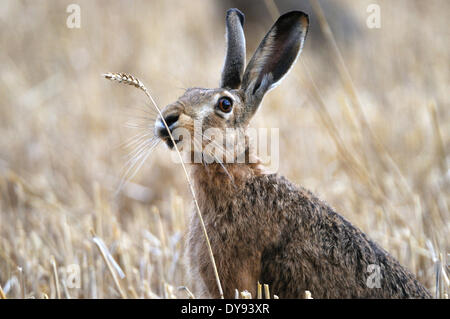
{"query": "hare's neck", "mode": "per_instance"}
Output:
(222, 175)
(218, 182)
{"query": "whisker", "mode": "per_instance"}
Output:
(143, 154)
(133, 158)
(141, 119)
(144, 109)
(133, 139)
(144, 117)
(138, 139)
(139, 148)
(139, 125)
(147, 154)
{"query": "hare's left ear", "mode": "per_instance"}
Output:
(274, 57)
(235, 58)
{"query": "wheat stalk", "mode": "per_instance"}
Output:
(127, 79)
(55, 275)
(259, 291)
(107, 259)
(2, 293)
(266, 291)
(132, 80)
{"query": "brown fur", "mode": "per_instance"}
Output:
(263, 228)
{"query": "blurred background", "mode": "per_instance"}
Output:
(363, 116)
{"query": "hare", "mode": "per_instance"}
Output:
(263, 228)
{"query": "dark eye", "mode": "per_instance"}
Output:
(225, 104)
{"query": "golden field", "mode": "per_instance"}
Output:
(363, 122)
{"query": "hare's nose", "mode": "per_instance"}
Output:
(171, 121)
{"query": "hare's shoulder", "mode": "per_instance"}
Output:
(282, 195)
(308, 219)
(303, 207)
(331, 242)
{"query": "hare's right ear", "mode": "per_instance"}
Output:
(235, 58)
(274, 57)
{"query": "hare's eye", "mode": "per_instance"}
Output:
(225, 104)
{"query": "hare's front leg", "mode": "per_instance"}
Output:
(235, 272)
(240, 274)
(238, 270)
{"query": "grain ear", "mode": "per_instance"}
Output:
(274, 57)
(235, 58)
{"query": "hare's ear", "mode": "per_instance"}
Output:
(235, 58)
(274, 57)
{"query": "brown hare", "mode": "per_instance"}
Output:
(262, 227)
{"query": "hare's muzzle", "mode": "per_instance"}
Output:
(161, 129)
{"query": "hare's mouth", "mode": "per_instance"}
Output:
(162, 132)
(164, 135)
(169, 142)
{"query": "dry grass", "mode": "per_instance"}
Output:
(383, 163)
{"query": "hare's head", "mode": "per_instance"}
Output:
(234, 103)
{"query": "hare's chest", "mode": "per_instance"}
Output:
(231, 231)
(236, 254)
